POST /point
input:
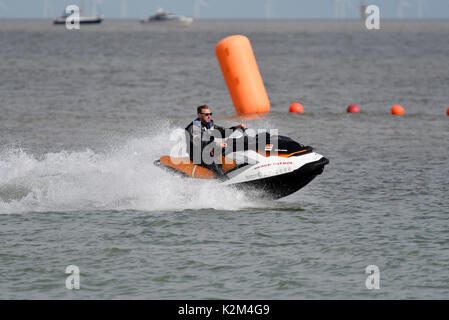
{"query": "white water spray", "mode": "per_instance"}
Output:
(123, 178)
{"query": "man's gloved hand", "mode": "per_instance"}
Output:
(222, 144)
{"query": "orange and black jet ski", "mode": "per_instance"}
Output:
(275, 166)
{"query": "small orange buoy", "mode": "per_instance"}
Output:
(353, 108)
(397, 110)
(296, 107)
(447, 111)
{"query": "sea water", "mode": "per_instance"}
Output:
(85, 113)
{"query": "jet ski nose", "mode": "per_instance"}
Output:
(319, 165)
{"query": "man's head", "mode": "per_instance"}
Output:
(204, 114)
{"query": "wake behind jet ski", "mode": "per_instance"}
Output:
(272, 165)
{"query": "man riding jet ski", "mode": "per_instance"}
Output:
(201, 134)
(274, 166)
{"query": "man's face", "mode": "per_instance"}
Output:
(205, 115)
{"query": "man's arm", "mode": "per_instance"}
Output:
(225, 133)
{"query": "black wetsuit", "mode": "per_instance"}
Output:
(199, 137)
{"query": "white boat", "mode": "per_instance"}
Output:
(93, 19)
(82, 20)
(168, 17)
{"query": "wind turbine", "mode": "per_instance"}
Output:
(421, 4)
(3, 6)
(340, 8)
(45, 10)
(123, 11)
(94, 8)
(95, 4)
(401, 5)
(267, 9)
(83, 7)
(363, 7)
(196, 7)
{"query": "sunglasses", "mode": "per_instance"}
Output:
(207, 114)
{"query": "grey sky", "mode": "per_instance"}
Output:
(237, 9)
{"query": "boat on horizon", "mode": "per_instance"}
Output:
(165, 16)
(82, 20)
(93, 19)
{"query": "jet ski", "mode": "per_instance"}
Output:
(274, 166)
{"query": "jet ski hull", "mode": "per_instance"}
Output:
(82, 20)
(282, 185)
(273, 187)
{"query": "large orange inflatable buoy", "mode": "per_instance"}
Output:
(239, 67)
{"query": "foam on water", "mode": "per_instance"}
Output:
(122, 178)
